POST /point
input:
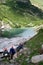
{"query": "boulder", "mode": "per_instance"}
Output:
(37, 58)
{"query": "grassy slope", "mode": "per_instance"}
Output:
(18, 18)
(38, 3)
(34, 44)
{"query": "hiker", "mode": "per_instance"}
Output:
(19, 48)
(12, 52)
(5, 53)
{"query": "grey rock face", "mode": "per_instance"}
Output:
(37, 58)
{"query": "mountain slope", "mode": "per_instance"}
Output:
(21, 14)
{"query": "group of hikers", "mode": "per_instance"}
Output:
(11, 52)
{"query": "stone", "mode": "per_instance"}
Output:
(37, 58)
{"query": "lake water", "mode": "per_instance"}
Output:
(29, 32)
(20, 38)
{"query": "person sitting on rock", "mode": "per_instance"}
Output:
(5, 53)
(12, 52)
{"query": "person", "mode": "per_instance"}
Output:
(12, 52)
(5, 53)
(19, 48)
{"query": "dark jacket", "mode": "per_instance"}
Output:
(19, 47)
(12, 51)
(5, 52)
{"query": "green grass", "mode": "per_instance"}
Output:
(18, 16)
(34, 44)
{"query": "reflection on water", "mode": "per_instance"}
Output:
(29, 32)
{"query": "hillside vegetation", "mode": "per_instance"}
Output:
(34, 45)
(20, 14)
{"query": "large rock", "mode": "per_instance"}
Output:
(37, 58)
